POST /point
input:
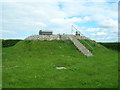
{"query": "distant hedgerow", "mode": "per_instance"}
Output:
(8, 43)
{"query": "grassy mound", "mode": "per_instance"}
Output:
(32, 64)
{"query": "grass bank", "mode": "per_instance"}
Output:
(32, 64)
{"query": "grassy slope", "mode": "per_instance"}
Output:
(31, 64)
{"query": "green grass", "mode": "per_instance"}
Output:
(31, 64)
(89, 44)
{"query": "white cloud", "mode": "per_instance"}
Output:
(99, 34)
(40, 24)
(7, 32)
(36, 24)
(109, 37)
(109, 25)
(59, 21)
(47, 14)
(69, 21)
(80, 20)
(93, 29)
(98, 0)
(53, 0)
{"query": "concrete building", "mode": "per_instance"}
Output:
(41, 32)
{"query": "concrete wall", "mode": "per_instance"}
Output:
(46, 37)
(81, 37)
(52, 37)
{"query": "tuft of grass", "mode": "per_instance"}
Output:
(32, 64)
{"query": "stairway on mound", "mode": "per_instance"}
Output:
(80, 46)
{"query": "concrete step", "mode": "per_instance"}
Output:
(80, 46)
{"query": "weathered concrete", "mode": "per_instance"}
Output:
(81, 37)
(52, 37)
(43, 37)
(80, 46)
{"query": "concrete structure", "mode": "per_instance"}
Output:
(41, 32)
(53, 37)
(73, 38)
(47, 35)
(80, 46)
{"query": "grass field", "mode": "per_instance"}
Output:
(32, 64)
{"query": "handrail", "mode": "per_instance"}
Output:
(79, 31)
(83, 39)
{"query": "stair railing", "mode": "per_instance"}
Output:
(83, 39)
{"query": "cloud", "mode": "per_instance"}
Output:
(80, 20)
(99, 34)
(52, 0)
(59, 21)
(109, 25)
(62, 21)
(30, 16)
(109, 37)
(36, 24)
(40, 24)
(93, 29)
(8, 32)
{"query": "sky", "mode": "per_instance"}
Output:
(96, 19)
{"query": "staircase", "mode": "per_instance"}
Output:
(80, 46)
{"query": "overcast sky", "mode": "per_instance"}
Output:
(96, 19)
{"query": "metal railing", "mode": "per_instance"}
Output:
(73, 27)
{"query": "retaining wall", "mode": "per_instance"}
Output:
(52, 37)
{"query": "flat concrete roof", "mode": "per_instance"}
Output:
(46, 31)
